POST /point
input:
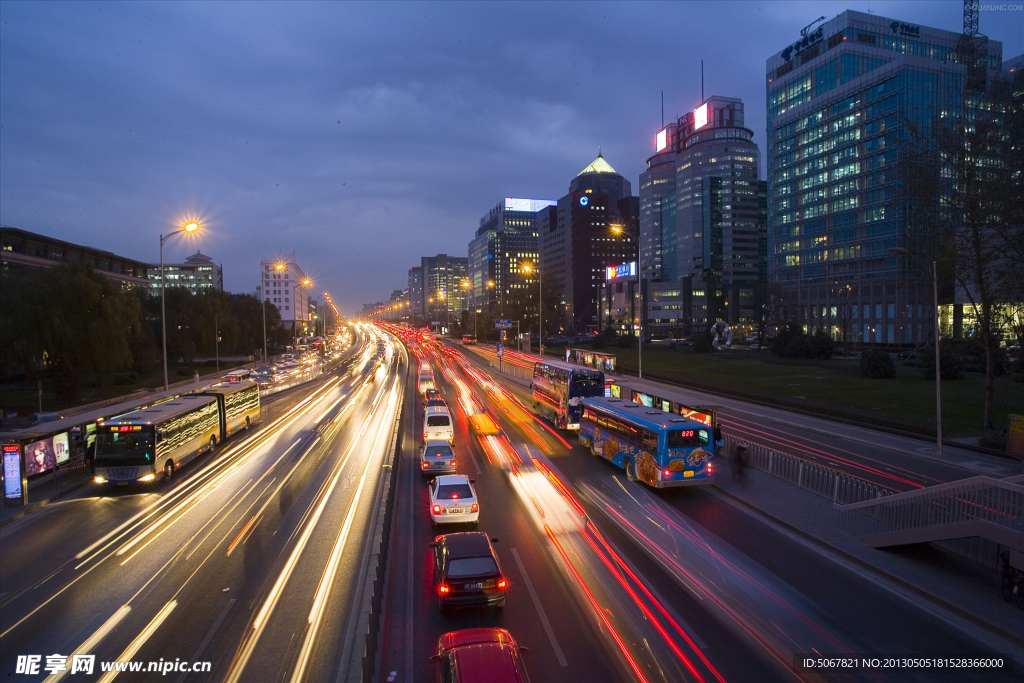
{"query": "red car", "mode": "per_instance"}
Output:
(479, 655)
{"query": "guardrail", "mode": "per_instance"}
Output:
(362, 665)
(70, 472)
(818, 479)
(506, 368)
(973, 518)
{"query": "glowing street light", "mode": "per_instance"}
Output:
(188, 228)
(529, 268)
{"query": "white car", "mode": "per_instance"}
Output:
(437, 425)
(453, 500)
(437, 457)
(426, 381)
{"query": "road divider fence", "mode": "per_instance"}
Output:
(840, 488)
(362, 669)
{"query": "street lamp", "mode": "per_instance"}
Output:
(277, 267)
(618, 231)
(527, 268)
(466, 286)
(189, 227)
(900, 251)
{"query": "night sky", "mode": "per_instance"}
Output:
(360, 136)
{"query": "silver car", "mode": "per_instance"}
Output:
(437, 457)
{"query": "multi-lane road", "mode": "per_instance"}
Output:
(611, 581)
(247, 562)
(253, 559)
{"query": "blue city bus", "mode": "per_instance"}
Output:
(651, 445)
(558, 389)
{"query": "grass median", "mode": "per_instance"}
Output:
(835, 387)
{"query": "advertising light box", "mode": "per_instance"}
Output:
(619, 272)
(12, 473)
(662, 140)
(700, 116)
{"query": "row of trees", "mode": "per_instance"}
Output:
(74, 325)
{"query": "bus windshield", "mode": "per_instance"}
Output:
(116, 448)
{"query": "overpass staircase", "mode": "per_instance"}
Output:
(978, 518)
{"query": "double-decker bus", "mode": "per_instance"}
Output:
(154, 441)
(558, 389)
(653, 446)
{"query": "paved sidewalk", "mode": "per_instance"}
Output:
(968, 593)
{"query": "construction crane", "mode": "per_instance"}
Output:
(974, 49)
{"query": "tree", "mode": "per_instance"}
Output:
(843, 296)
(769, 302)
(71, 322)
(962, 191)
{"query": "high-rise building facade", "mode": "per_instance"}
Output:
(416, 293)
(444, 295)
(282, 284)
(591, 228)
(504, 242)
(839, 101)
(198, 273)
(703, 221)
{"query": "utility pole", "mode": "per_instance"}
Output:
(938, 359)
(216, 337)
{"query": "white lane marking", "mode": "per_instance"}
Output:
(540, 610)
(150, 629)
(209, 636)
(91, 642)
(476, 463)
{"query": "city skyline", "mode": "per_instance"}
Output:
(214, 127)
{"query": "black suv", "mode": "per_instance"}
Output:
(466, 571)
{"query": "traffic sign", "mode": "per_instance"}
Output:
(503, 324)
(501, 349)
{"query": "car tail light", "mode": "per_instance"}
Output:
(425, 465)
(443, 588)
(711, 468)
(666, 473)
(474, 508)
(502, 583)
(438, 510)
(455, 496)
(453, 463)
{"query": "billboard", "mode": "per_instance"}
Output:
(528, 205)
(12, 472)
(662, 141)
(700, 116)
(45, 454)
(619, 272)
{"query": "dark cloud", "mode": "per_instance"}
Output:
(360, 136)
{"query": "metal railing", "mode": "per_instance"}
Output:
(973, 518)
(823, 481)
(71, 472)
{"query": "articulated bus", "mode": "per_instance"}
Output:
(658, 448)
(558, 389)
(141, 445)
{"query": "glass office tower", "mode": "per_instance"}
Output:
(840, 99)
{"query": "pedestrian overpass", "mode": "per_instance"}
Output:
(982, 507)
